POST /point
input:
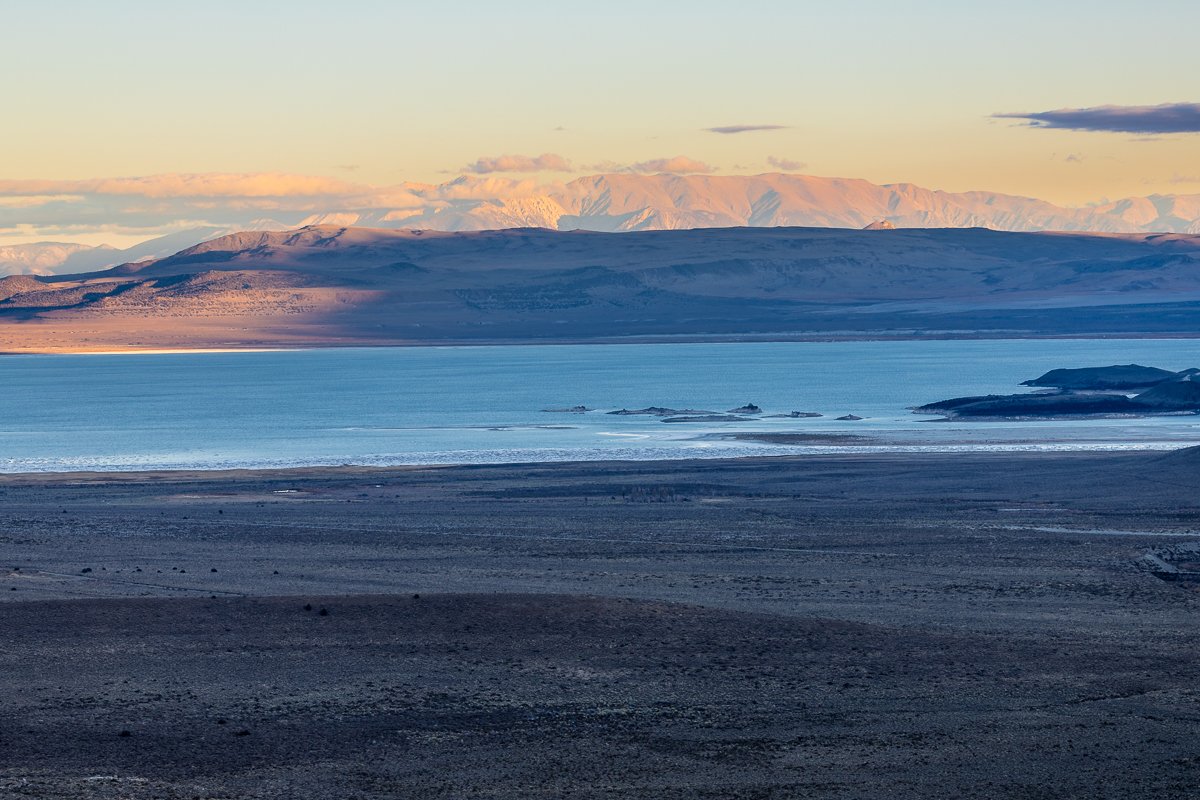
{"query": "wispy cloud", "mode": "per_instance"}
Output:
(786, 164)
(678, 165)
(172, 185)
(1148, 120)
(490, 188)
(1178, 178)
(151, 205)
(126, 209)
(546, 162)
(729, 129)
(35, 200)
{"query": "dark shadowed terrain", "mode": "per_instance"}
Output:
(330, 285)
(843, 627)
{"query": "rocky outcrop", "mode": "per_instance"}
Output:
(1095, 391)
(1176, 395)
(749, 408)
(658, 411)
(1126, 376)
(1047, 405)
(955, 403)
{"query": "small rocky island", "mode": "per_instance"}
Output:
(749, 408)
(740, 414)
(1115, 391)
(658, 411)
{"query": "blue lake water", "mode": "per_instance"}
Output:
(483, 404)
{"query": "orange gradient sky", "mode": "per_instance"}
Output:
(377, 93)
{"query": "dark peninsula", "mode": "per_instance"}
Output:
(1119, 390)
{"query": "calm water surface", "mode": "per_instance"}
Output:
(483, 404)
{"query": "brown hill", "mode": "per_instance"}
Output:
(335, 285)
(18, 284)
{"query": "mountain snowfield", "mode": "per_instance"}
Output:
(629, 202)
(44, 258)
(622, 202)
(59, 258)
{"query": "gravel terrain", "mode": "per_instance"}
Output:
(844, 627)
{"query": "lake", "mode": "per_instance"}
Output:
(429, 405)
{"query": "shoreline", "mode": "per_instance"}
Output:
(816, 338)
(848, 455)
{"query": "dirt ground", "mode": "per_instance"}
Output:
(843, 626)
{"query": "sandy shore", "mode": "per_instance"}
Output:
(18, 339)
(970, 625)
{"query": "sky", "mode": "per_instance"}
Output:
(372, 94)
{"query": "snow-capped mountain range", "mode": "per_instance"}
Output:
(629, 202)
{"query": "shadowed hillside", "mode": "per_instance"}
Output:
(335, 285)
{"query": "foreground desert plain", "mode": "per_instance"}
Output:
(843, 626)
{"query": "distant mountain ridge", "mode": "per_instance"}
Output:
(45, 258)
(61, 258)
(624, 202)
(628, 202)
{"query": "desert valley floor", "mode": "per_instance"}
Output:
(839, 627)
